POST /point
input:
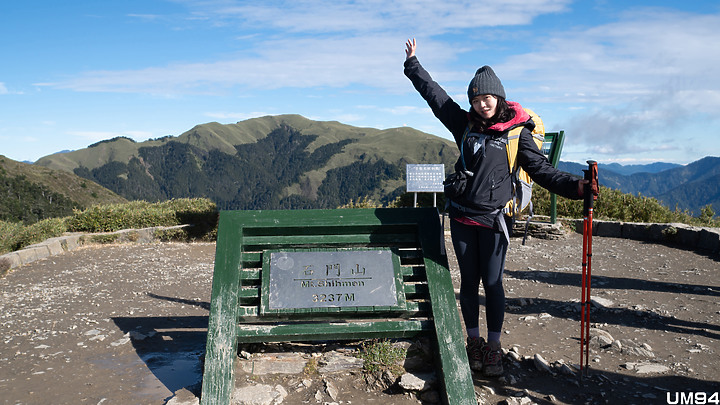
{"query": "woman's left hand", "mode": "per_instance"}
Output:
(410, 46)
(581, 187)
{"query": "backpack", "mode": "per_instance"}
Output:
(522, 183)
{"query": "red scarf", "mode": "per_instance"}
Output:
(521, 116)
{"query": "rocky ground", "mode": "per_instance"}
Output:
(125, 324)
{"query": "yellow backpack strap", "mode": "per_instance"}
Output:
(538, 133)
(512, 148)
(518, 174)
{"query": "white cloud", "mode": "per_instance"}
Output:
(405, 110)
(398, 110)
(316, 44)
(146, 17)
(631, 58)
(430, 17)
(346, 117)
(302, 64)
(634, 80)
(4, 90)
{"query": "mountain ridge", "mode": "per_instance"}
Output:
(688, 187)
(627, 170)
(203, 161)
(211, 159)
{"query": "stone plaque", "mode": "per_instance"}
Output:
(318, 279)
(427, 178)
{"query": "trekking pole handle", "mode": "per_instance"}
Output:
(592, 186)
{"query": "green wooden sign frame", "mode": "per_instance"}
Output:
(430, 306)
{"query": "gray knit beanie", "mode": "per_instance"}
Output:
(485, 82)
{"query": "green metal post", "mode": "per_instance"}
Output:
(557, 140)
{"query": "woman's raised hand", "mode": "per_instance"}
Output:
(410, 46)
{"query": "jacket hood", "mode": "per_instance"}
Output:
(521, 118)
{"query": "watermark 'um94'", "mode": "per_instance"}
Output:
(693, 398)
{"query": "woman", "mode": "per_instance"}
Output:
(477, 219)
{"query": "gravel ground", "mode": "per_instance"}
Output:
(105, 324)
(126, 324)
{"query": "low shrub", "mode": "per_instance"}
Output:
(8, 235)
(171, 235)
(114, 217)
(200, 212)
(105, 238)
(364, 202)
(615, 205)
(141, 214)
(15, 236)
(380, 355)
(4, 266)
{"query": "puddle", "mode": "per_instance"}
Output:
(170, 372)
(154, 376)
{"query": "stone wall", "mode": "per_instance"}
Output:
(685, 236)
(69, 242)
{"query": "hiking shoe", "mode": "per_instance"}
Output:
(474, 352)
(492, 359)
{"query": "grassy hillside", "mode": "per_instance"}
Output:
(32, 192)
(284, 161)
(224, 138)
(76, 188)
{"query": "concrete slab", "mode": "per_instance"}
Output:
(709, 239)
(608, 229)
(13, 258)
(54, 245)
(30, 254)
(71, 242)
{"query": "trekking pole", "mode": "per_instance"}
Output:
(590, 194)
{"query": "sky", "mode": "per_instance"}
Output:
(631, 82)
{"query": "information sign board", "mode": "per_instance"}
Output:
(425, 178)
(340, 278)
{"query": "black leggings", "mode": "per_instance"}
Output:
(481, 256)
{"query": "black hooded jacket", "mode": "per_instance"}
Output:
(485, 154)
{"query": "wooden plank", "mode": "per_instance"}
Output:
(251, 274)
(353, 240)
(315, 218)
(314, 331)
(302, 227)
(556, 139)
(413, 309)
(415, 291)
(221, 348)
